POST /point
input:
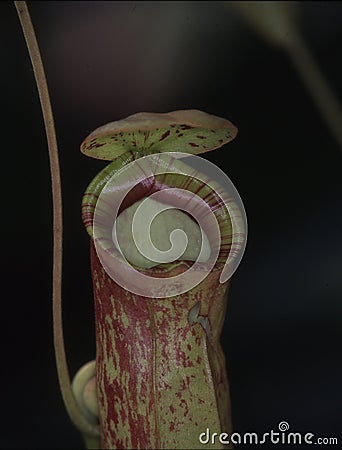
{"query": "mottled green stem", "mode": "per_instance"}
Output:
(62, 368)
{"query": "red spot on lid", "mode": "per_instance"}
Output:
(165, 135)
(185, 127)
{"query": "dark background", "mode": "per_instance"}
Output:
(107, 60)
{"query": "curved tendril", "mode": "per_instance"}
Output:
(62, 368)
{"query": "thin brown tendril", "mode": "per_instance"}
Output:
(62, 368)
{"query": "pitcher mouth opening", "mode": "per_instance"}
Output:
(219, 212)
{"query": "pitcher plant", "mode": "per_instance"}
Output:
(167, 231)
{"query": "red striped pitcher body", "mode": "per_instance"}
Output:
(161, 375)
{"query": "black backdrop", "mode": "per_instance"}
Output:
(106, 60)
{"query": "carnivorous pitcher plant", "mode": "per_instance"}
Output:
(167, 231)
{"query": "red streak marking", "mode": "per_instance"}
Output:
(193, 144)
(165, 135)
(95, 145)
(90, 194)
